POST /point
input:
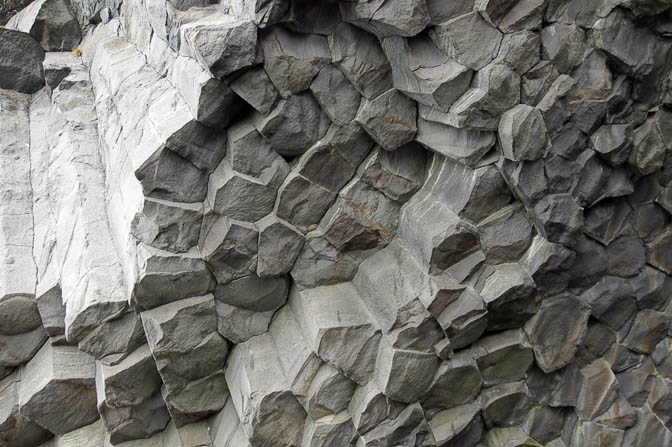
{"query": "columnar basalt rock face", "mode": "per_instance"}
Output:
(371, 223)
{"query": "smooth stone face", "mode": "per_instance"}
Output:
(21, 62)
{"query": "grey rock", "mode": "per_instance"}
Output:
(229, 247)
(321, 264)
(544, 423)
(649, 144)
(360, 57)
(458, 426)
(263, 13)
(599, 389)
(239, 325)
(564, 45)
(346, 336)
(330, 393)
(510, 296)
(522, 134)
(441, 11)
(390, 119)
(168, 225)
(646, 331)
(292, 60)
(51, 23)
(409, 426)
(337, 97)
(402, 18)
(254, 293)
(403, 375)
(21, 62)
(468, 39)
(506, 234)
(221, 44)
(612, 301)
(558, 218)
(164, 277)
(14, 427)
(279, 246)
(333, 160)
(521, 49)
(329, 431)
(455, 383)
(18, 349)
(57, 389)
(462, 145)
(278, 126)
(255, 87)
(422, 72)
(238, 196)
(505, 405)
(398, 174)
(302, 203)
(524, 15)
(465, 319)
(368, 407)
(557, 330)
(318, 18)
(503, 357)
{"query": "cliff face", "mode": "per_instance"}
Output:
(315, 223)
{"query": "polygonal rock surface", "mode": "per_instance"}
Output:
(51, 23)
(390, 119)
(522, 133)
(21, 62)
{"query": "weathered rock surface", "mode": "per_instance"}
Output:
(376, 223)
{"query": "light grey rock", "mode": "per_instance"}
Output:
(257, 394)
(557, 330)
(521, 49)
(333, 160)
(465, 319)
(329, 431)
(51, 23)
(522, 134)
(57, 389)
(390, 119)
(292, 60)
(278, 126)
(165, 277)
(21, 62)
(263, 13)
(525, 15)
(368, 407)
(422, 72)
(255, 87)
(468, 39)
(402, 18)
(345, 337)
(337, 97)
(361, 58)
(462, 145)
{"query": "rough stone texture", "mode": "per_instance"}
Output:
(375, 223)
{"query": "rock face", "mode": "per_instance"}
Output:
(371, 223)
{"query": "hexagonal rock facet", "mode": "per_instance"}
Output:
(390, 119)
(58, 389)
(522, 133)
